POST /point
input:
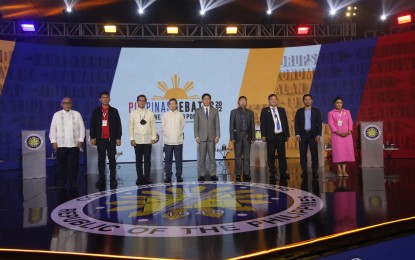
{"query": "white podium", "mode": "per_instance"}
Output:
(33, 154)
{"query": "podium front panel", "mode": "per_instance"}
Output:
(371, 136)
(33, 154)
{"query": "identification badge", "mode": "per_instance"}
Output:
(104, 122)
(340, 123)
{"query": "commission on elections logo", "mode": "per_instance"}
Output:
(187, 209)
(33, 141)
(372, 132)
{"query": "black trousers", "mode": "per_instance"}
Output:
(279, 145)
(242, 147)
(67, 159)
(308, 141)
(106, 147)
(143, 151)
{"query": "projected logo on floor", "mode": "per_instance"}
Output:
(188, 209)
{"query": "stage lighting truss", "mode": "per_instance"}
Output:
(185, 31)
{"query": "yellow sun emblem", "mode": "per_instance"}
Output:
(175, 91)
(175, 203)
(33, 142)
(372, 132)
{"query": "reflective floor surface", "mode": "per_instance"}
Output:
(200, 220)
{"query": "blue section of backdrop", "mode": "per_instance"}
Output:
(342, 70)
(38, 78)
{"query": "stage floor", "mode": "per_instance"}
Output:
(200, 220)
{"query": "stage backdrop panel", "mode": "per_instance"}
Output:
(184, 74)
(389, 94)
(38, 78)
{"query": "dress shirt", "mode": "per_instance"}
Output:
(275, 110)
(307, 117)
(173, 127)
(142, 134)
(67, 128)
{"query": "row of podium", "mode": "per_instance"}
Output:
(370, 145)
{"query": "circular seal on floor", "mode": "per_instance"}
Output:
(187, 209)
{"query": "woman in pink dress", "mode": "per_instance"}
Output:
(341, 126)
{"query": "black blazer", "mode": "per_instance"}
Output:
(234, 124)
(316, 122)
(267, 124)
(113, 120)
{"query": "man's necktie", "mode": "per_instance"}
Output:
(207, 113)
(277, 122)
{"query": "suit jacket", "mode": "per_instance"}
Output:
(267, 123)
(316, 122)
(235, 124)
(206, 129)
(114, 122)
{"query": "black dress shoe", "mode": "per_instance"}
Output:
(179, 179)
(148, 181)
(201, 178)
(214, 178)
(139, 182)
(247, 177)
(238, 178)
(167, 180)
(113, 186)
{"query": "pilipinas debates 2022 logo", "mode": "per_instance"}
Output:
(33, 141)
(372, 132)
(187, 209)
(186, 103)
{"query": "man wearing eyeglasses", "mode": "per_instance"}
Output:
(275, 132)
(142, 131)
(67, 133)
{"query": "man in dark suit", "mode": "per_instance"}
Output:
(275, 131)
(308, 127)
(207, 134)
(105, 133)
(242, 135)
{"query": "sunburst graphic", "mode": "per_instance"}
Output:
(175, 91)
(175, 203)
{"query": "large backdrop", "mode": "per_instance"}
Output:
(375, 77)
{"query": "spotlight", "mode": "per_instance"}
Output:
(231, 30)
(110, 28)
(383, 17)
(202, 12)
(332, 12)
(172, 30)
(28, 27)
(404, 19)
(140, 11)
(269, 11)
(69, 9)
(303, 30)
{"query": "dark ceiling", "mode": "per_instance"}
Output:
(187, 11)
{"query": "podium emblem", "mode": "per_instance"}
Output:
(372, 132)
(34, 141)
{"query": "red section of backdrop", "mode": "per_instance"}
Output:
(389, 93)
